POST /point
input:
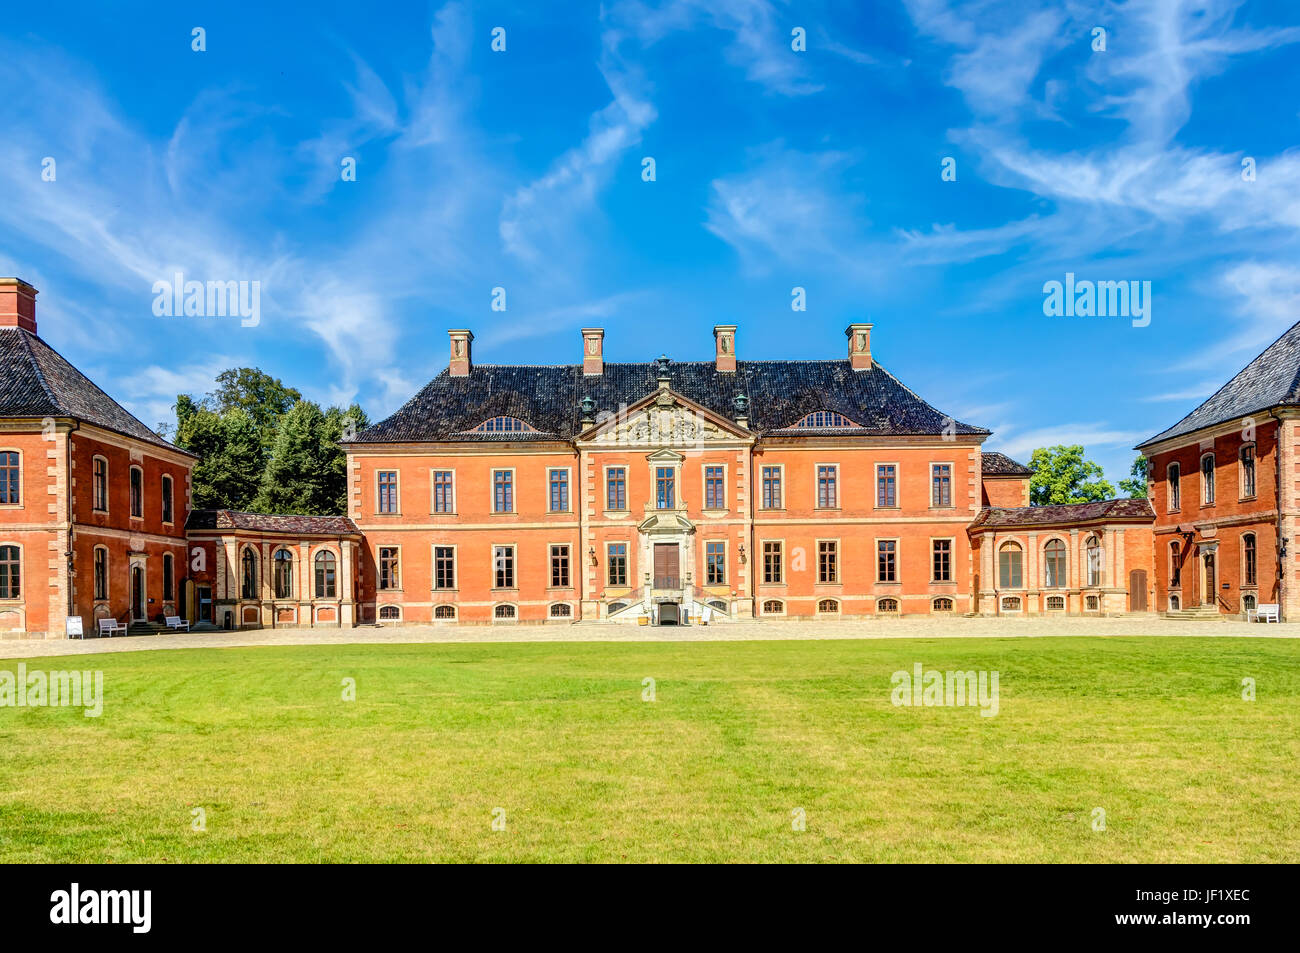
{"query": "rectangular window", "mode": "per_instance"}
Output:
(169, 575)
(942, 560)
(503, 562)
(388, 577)
(9, 477)
(616, 562)
(1175, 490)
(828, 564)
(827, 493)
(886, 560)
(387, 491)
(941, 480)
(559, 491)
(101, 574)
(715, 495)
(771, 488)
(715, 564)
(11, 572)
(559, 567)
(1248, 550)
(772, 569)
(444, 567)
(616, 489)
(101, 485)
(167, 499)
(886, 485)
(503, 491)
(665, 488)
(443, 499)
(137, 492)
(1247, 471)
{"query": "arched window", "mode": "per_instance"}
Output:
(773, 607)
(1247, 603)
(825, 418)
(561, 610)
(616, 607)
(325, 575)
(1174, 603)
(943, 605)
(391, 613)
(828, 606)
(100, 485)
(1011, 604)
(1094, 553)
(1011, 568)
(1055, 603)
(169, 576)
(1207, 479)
(167, 514)
(504, 612)
(1248, 559)
(503, 425)
(888, 606)
(101, 572)
(248, 575)
(444, 612)
(11, 572)
(1174, 475)
(1247, 460)
(283, 574)
(1054, 564)
(137, 492)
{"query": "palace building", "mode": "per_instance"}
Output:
(664, 492)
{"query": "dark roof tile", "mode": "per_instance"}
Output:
(999, 464)
(1064, 513)
(37, 381)
(271, 523)
(547, 398)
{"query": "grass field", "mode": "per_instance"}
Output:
(1153, 730)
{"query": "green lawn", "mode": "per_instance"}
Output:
(1153, 730)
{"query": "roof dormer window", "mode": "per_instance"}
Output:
(503, 425)
(825, 419)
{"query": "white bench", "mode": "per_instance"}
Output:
(1267, 612)
(111, 627)
(176, 622)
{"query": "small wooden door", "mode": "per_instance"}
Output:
(1211, 593)
(666, 566)
(1137, 591)
(137, 593)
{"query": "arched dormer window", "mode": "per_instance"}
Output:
(825, 418)
(503, 425)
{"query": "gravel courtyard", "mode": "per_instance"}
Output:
(610, 632)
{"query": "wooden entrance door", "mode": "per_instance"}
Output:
(1211, 593)
(1137, 590)
(137, 592)
(667, 566)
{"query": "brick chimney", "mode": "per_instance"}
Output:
(724, 344)
(17, 304)
(461, 339)
(593, 347)
(859, 336)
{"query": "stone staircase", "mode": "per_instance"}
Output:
(1196, 614)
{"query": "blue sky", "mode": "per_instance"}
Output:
(775, 169)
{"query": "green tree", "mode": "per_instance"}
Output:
(1135, 484)
(1064, 475)
(341, 425)
(263, 397)
(229, 448)
(297, 478)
